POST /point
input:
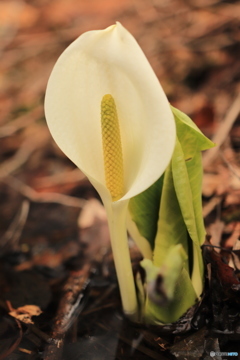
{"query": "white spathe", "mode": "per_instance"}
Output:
(110, 62)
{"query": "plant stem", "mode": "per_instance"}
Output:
(117, 214)
(197, 272)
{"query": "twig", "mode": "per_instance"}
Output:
(94, 306)
(222, 132)
(14, 231)
(65, 177)
(35, 196)
(211, 205)
(18, 340)
(230, 167)
(16, 161)
(22, 121)
(40, 334)
(151, 354)
(69, 308)
(24, 152)
(135, 345)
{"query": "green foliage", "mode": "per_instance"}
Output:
(176, 293)
(144, 210)
(168, 215)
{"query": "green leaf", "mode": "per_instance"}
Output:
(169, 288)
(184, 298)
(189, 135)
(186, 196)
(192, 142)
(179, 221)
(171, 227)
(169, 271)
(144, 210)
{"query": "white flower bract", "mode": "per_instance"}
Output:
(111, 62)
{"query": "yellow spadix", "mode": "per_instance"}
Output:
(112, 148)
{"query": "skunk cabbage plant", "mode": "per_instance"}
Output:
(106, 110)
(108, 113)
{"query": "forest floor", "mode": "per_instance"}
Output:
(54, 247)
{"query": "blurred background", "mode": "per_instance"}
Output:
(192, 45)
(194, 48)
